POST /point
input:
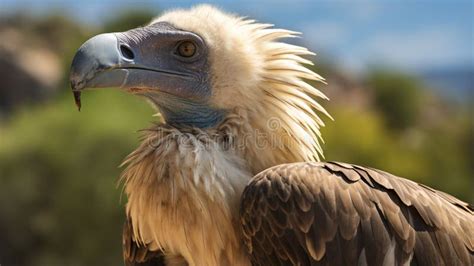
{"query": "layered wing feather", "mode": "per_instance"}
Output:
(341, 214)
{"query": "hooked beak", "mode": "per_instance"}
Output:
(126, 61)
(98, 64)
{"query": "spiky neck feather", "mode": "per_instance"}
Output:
(183, 187)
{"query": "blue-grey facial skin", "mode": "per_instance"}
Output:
(146, 60)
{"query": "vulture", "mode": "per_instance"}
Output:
(232, 173)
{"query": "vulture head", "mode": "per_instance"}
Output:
(200, 66)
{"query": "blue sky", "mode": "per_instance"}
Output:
(413, 35)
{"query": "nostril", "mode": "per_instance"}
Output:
(126, 52)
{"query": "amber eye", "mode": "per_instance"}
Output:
(186, 49)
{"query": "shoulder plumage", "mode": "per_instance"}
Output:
(335, 213)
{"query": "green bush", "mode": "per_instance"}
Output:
(397, 96)
(59, 168)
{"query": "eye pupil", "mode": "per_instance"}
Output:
(187, 49)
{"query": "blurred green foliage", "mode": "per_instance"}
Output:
(397, 97)
(59, 198)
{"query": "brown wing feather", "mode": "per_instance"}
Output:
(135, 255)
(341, 214)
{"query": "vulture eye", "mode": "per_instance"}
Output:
(186, 49)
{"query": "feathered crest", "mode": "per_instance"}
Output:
(288, 98)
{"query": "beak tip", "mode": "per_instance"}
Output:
(77, 99)
(95, 55)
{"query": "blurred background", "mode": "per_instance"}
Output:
(400, 77)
